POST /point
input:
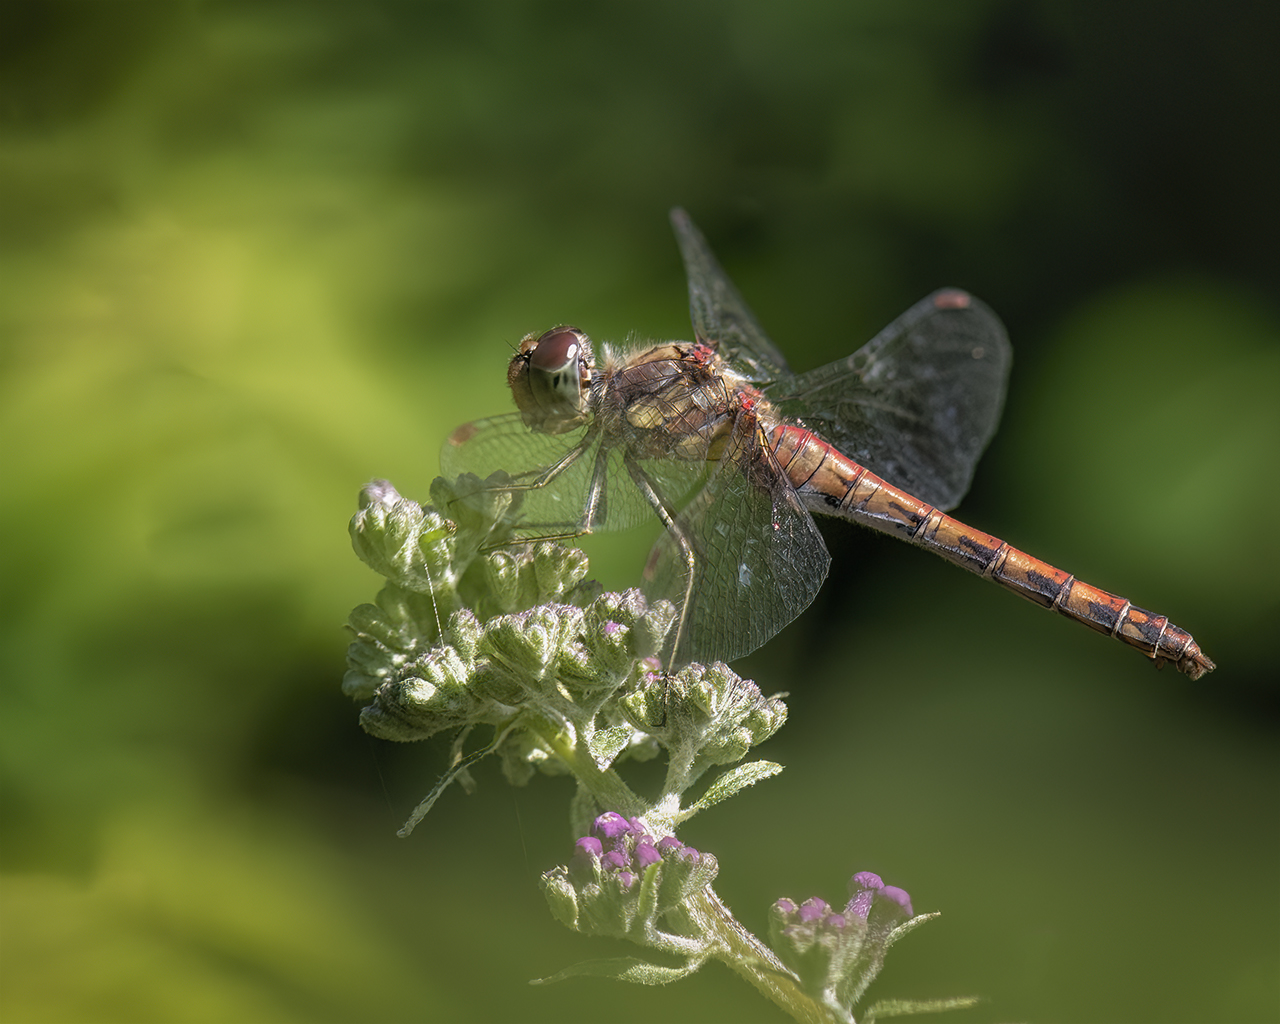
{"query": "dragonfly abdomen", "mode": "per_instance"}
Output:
(832, 484)
(1038, 581)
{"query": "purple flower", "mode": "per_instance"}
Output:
(600, 890)
(898, 896)
(646, 853)
(610, 825)
(866, 889)
(623, 846)
(834, 954)
(586, 852)
(589, 845)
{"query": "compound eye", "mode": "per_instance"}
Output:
(556, 350)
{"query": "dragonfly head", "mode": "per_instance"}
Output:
(549, 376)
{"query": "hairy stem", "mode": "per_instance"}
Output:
(604, 784)
(752, 960)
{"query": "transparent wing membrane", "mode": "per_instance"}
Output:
(918, 403)
(720, 316)
(565, 484)
(757, 558)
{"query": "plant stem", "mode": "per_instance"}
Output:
(751, 959)
(603, 784)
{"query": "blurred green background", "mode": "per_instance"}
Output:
(254, 254)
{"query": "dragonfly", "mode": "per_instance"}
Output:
(734, 454)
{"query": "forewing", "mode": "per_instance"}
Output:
(758, 557)
(919, 402)
(720, 317)
(557, 477)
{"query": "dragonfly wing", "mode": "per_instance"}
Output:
(720, 317)
(504, 445)
(564, 482)
(919, 402)
(758, 557)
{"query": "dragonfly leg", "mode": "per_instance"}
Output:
(593, 508)
(664, 512)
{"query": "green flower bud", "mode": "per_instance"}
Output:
(432, 695)
(463, 632)
(400, 540)
(620, 882)
(712, 713)
(561, 896)
(521, 649)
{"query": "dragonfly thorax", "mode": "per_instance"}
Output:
(549, 376)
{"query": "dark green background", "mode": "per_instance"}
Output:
(254, 254)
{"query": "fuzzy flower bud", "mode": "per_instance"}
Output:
(399, 539)
(836, 954)
(710, 712)
(431, 694)
(620, 880)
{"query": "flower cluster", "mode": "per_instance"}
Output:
(472, 629)
(704, 716)
(621, 881)
(837, 954)
(456, 599)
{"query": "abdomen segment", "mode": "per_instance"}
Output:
(833, 485)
